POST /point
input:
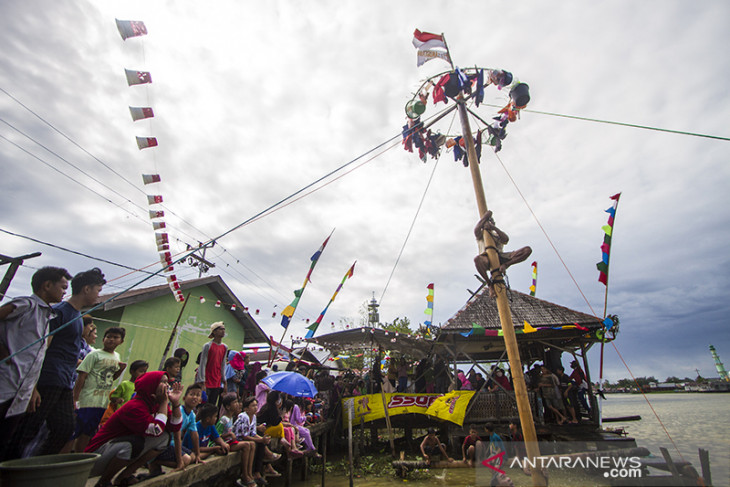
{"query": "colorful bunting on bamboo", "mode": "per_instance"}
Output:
(533, 288)
(313, 327)
(429, 305)
(606, 246)
(528, 328)
(288, 312)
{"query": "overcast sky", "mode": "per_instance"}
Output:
(255, 100)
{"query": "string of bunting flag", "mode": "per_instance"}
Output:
(533, 287)
(133, 29)
(429, 309)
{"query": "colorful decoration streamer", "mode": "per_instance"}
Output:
(606, 246)
(429, 305)
(288, 312)
(313, 327)
(533, 288)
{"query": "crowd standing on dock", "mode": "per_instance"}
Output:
(57, 394)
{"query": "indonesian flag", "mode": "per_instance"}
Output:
(140, 113)
(131, 28)
(233, 307)
(166, 258)
(154, 199)
(217, 304)
(171, 278)
(158, 225)
(162, 247)
(179, 296)
(161, 238)
(145, 142)
(202, 300)
(426, 40)
(175, 286)
(151, 178)
(137, 77)
(156, 214)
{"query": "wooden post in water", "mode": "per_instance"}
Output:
(350, 407)
(505, 314)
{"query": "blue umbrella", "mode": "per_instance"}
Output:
(292, 383)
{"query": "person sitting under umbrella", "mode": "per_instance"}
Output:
(269, 415)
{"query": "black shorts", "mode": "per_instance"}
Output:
(432, 451)
(168, 455)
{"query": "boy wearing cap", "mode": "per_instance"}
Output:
(211, 371)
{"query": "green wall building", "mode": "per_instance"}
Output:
(149, 315)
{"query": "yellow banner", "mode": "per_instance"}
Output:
(450, 407)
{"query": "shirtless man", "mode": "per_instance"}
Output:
(506, 259)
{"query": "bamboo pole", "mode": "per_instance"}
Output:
(505, 314)
(172, 334)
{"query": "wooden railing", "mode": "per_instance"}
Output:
(499, 407)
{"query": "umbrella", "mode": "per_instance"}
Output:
(292, 383)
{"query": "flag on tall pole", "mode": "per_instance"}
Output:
(313, 327)
(533, 288)
(606, 246)
(430, 46)
(288, 312)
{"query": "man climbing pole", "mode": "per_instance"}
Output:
(506, 259)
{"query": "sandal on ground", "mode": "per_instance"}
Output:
(261, 481)
(272, 474)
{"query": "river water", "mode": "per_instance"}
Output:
(693, 420)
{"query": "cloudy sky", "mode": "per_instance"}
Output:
(256, 100)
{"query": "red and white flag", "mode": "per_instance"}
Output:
(137, 77)
(154, 199)
(151, 178)
(233, 307)
(156, 214)
(158, 225)
(131, 28)
(426, 40)
(140, 113)
(161, 238)
(202, 300)
(162, 247)
(217, 304)
(145, 142)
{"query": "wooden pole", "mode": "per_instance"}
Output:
(350, 406)
(505, 314)
(14, 262)
(387, 421)
(172, 334)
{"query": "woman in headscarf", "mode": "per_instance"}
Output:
(138, 431)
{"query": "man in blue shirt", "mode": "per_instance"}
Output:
(56, 381)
